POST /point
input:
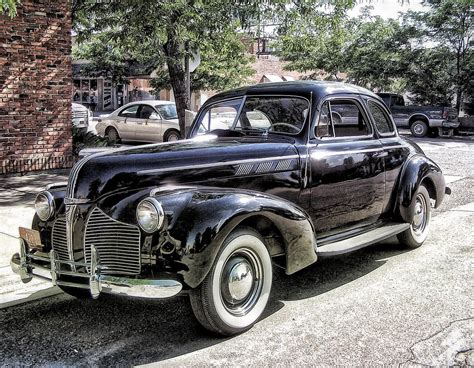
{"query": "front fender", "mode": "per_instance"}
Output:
(416, 170)
(202, 219)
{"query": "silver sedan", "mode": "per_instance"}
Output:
(141, 121)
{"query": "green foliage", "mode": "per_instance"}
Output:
(166, 33)
(105, 58)
(81, 140)
(8, 7)
(366, 50)
(224, 65)
(428, 54)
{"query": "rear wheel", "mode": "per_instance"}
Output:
(235, 292)
(420, 226)
(112, 135)
(171, 136)
(419, 128)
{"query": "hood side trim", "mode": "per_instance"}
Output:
(216, 164)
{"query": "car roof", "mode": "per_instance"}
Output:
(146, 102)
(307, 88)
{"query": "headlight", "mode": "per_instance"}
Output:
(44, 205)
(150, 215)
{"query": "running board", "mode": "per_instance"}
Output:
(362, 240)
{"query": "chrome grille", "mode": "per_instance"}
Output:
(117, 244)
(59, 239)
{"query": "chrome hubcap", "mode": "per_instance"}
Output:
(419, 219)
(418, 129)
(240, 279)
(241, 282)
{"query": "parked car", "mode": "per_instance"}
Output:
(284, 183)
(143, 121)
(81, 117)
(421, 120)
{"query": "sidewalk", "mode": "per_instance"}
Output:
(17, 195)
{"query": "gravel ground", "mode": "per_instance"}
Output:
(381, 305)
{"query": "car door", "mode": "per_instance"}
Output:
(396, 153)
(125, 122)
(346, 171)
(148, 125)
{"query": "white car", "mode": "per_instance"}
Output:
(81, 117)
(141, 121)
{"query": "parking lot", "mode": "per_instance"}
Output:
(380, 305)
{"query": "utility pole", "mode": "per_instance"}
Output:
(187, 72)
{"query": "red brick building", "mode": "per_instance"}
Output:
(36, 87)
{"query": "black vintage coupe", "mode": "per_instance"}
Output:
(268, 175)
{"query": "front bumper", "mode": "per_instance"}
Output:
(24, 265)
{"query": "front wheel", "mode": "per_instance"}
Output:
(235, 292)
(418, 231)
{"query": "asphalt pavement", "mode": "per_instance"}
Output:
(382, 305)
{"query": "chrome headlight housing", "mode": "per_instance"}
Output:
(44, 205)
(150, 215)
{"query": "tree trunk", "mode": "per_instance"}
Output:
(177, 79)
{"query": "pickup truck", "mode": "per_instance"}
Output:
(422, 120)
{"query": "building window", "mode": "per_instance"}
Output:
(85, 91)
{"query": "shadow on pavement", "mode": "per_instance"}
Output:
(116, 331)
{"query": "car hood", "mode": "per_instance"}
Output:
(170, 164)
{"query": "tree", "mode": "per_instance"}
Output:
(366, 50)
(447, 34)
(169, 31)
(224, 65)
(165, 32)
(8, 7)
(105, 58)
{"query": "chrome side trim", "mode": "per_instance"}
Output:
(216, 164)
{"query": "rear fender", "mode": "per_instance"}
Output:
(418, 169)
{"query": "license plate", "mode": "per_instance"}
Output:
(32, 237)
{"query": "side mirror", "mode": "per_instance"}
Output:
(154, 116)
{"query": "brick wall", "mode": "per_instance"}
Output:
(36, 87)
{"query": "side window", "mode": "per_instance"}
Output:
(382, 121)
(129, 112)
(219, 116)
(145, 112)
(324, 128)
(348, 119)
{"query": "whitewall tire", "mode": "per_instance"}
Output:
(235, 293)
(414, 236)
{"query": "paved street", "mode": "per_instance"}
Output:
(380, 305)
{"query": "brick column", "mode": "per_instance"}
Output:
(36, 87)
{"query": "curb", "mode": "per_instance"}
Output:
(40, 294)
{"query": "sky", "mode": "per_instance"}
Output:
(388, 8)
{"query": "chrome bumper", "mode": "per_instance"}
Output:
(23, 265)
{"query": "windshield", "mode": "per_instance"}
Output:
(284, 115)
(167, 111)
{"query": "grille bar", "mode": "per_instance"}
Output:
(117, 244)
(59, 239)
